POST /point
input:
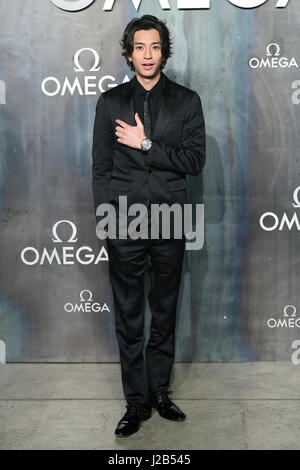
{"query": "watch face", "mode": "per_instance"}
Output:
(146, 144)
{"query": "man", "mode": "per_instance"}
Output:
(148, 134)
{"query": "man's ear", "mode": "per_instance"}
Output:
(131, 65)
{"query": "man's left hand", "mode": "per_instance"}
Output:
(131, 135)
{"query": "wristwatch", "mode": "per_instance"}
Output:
(146, 144)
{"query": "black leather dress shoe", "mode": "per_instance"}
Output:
(130, 422)
(166, 408)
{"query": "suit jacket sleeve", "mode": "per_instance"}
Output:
(102, 167)
(190, 157)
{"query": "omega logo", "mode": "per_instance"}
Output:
(63, 253)
(86, 304)
(273, 47)
(164, 4)
(2, 92)
(269, 221)
(290, 319)
(273, 59)
(78, 67)
(87, 85)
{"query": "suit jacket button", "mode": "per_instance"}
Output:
(149, 170)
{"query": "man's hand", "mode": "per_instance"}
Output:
(131, 135)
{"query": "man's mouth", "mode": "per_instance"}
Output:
(148, 66)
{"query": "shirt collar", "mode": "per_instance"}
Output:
(140, 90)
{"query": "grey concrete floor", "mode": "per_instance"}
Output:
(77, 406)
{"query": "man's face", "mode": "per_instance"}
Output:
(146, 56)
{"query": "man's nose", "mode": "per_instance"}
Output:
(148, 53)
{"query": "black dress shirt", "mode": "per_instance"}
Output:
(154, 100)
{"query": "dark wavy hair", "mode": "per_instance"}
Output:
(146, 22)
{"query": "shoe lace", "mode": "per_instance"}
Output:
(162, 396)
(134, 409)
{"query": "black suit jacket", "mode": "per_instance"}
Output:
(178, 147)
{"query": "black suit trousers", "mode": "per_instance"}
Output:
(127, 264)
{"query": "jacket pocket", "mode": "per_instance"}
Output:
(177, 185)
(119, 185)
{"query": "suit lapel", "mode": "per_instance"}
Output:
(166, 110)
(127, 103)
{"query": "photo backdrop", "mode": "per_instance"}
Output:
(239, 294)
